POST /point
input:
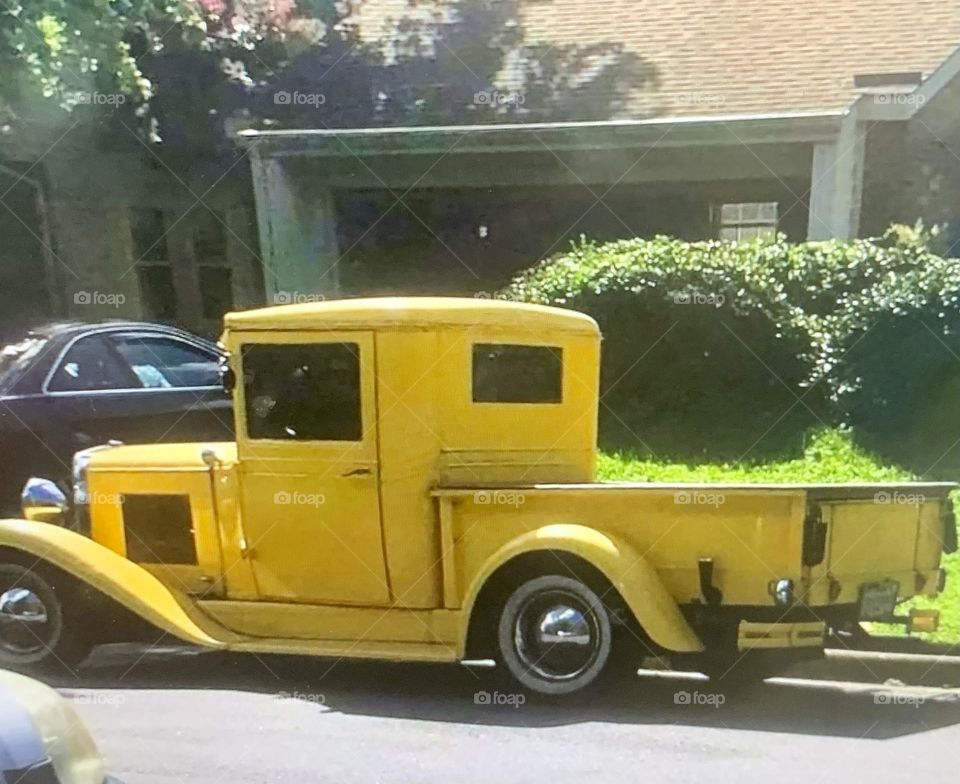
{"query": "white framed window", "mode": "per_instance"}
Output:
(746, 220)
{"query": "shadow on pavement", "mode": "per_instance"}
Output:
(452, 693)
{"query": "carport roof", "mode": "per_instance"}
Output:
(514, 137)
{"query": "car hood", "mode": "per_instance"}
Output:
(164, 457)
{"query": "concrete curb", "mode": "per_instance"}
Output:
(880, 667)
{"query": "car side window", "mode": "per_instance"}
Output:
(161, 362)
(89, 366)
(303, 392)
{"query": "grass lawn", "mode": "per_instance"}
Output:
(830, 456)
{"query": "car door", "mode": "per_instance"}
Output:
(139, 386)
(89, 389)
(44, 429)
(308, 463)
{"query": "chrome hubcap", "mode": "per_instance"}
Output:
(23, 621)
(557, 635)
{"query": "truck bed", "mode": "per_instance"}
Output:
(832, 539)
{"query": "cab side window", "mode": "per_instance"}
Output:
(507, 373)
(307, 392)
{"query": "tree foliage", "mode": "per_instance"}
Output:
(188, 65)
(64, 53)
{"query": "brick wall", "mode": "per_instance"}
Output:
(933, 185)
(90, 201)
(912, 170)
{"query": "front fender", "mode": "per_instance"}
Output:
(114, 576)
(626, 569)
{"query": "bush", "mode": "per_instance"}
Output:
(729, 350)
(891, 357)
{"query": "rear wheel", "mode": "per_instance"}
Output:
(554, 635)
(35, 632)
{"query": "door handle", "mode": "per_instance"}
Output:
(357, 472)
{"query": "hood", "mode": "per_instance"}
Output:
(162, 457)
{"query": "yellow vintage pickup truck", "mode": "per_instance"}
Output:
(413, 479)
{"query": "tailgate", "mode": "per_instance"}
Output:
(878, 534)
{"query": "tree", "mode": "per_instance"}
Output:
(460, 61)
(56, 54)
(180, 68)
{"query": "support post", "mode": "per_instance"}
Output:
(836, 183)
(298, 236)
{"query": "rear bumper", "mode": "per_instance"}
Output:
(746, 628)
(753, 635)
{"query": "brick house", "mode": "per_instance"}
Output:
(817, 119)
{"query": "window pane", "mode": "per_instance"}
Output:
(162, 363)
(147, 228)
(505, 373)
(768, 212)
(89, 366)
(729, 233)
(730, 213)
(210, 240)
(157, 292)
(216, 291)
(303, 392)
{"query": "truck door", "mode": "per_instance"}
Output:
(307, 440)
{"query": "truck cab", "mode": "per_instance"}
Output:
(413, 478)
(348, 415)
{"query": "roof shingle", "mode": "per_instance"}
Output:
(739, 56)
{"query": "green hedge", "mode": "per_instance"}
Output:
(733, 350)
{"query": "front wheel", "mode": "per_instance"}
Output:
(35, 633)
(554, 635)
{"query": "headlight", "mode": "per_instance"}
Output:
(43, 501)
(81, 460)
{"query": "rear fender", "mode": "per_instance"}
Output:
(115, 577)
(627, 570)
